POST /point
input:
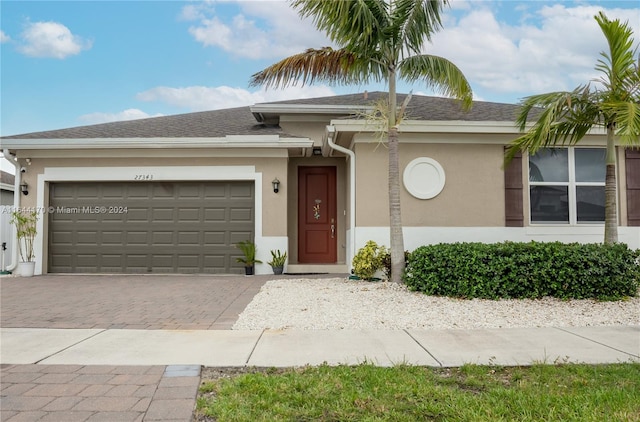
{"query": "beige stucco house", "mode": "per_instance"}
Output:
(174, 194)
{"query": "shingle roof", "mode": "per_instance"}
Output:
(203, 124)
(424, 107)
(240, 121)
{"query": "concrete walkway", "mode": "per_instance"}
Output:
(284, 348)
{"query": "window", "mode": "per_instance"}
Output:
(566, 185)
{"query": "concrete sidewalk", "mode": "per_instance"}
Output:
(283, 348)
(153, 375)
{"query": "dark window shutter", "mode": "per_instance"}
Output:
(632, 164)
(513, 200)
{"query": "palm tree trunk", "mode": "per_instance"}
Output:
(395, 216)
(610, 192)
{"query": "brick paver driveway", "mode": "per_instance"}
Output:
(168, 302)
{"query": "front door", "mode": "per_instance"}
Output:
(317, 238)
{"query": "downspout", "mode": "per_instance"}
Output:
(16, 205)
(331, 132)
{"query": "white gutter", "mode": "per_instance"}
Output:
(16, 205)
(229, 141)
(331, 132)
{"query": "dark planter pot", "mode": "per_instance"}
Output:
(248, 270)
(277, 270)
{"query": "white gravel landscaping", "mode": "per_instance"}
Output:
(339, 303)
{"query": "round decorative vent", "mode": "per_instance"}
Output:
(424, 178)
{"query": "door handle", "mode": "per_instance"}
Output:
(333, 231)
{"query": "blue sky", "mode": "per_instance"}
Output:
(72, 63)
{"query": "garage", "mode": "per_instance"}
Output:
(148, 227)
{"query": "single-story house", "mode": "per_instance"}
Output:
(174, 194)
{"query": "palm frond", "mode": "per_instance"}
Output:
(619, 64)
(562, 118)
(627, 121)
(318, 65)
(356, 23)
(438, 73)
(415, 21)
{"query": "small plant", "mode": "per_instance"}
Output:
(277, 261)
(249, 250)
(25, 223)
(368, 260)
(277, 258)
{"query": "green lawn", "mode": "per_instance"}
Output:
(412, 393)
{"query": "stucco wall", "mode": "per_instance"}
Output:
(473, 194)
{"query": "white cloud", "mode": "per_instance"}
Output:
(263, 29)
(552, 48)
(198, 98)
(4, 37)
(51, 39)
(129, 114)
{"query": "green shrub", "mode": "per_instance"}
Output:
(524, 270)
(368, 260)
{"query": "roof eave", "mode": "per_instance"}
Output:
(229, 141)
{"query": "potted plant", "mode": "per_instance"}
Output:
(249, 260)
(25, 223)
(277, 261)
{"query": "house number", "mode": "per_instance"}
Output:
(143, 177)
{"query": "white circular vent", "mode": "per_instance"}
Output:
(424, 178)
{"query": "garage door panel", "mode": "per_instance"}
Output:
(240, 214)
(137, 238)
(241, 191)
(137, 214)
(61, 238)
(163, 190)
(113, 191)
(217, 238)
(188, 190)
(162, 238)
(137, 191)
(167, 227)
(215, 215)
(189, 239)
(215, 191)
(162, 214)
(189, 215)
(86, 237)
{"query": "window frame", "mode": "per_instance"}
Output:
(571, 185)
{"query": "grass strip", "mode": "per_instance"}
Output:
(568, 392)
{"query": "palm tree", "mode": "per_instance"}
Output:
(613, 102)
(378, 40)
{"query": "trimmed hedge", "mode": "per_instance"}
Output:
(524, 270)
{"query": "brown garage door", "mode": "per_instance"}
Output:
(149, 227)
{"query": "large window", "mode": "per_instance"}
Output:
(566, 185)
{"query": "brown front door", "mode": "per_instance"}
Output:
(317, 215)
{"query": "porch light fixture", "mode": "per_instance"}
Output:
(317, 151)
(24, 188)
(276, 185)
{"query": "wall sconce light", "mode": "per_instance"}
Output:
(276, 185)
(24, 188)
(317, 151)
